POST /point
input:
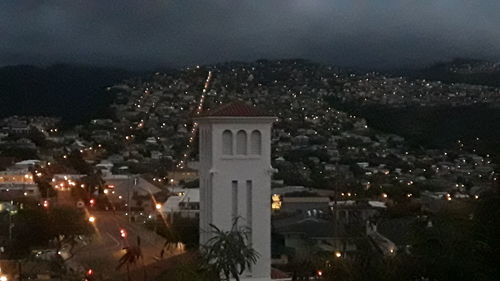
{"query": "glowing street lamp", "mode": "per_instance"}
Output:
(91, 219)
(158, 206)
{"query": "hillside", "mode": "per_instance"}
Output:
(74, 93)
(467, 71)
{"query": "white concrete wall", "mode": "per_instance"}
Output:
(217, 171)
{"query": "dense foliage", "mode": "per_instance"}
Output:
(38, 227)
(460, 242)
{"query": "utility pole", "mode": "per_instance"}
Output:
(11, 214)
(20, 271)
(135, 179)
(128, 200)
(11, 225)
(335, 206)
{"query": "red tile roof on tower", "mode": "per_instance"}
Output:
(235, 109)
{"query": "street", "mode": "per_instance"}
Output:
(106, 248)
(113, 232)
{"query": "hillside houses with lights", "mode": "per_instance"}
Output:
(335, 180)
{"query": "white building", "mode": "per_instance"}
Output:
(185, 202)
(235, 177)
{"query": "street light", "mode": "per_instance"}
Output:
(92, 219)
(158, 206)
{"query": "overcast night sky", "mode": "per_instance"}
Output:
(149, 33)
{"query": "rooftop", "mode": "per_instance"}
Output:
(235, 109)
(311, 227)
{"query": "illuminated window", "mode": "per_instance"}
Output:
(255, 142)
(276, 202)
(241, 143)
(227, 142)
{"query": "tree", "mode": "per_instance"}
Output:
(446, 249)
(46, 189)
(37, 137)
(93, 181)
(182, 229)
(131, 256)
(75, 160)
(29, 231)
(62, 229)
(68, 228)
(228, 253)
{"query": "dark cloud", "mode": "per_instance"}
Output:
(382, 33)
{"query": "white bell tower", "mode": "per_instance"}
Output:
(235, 177)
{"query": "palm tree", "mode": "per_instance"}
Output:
(228, 253)
(131, 256)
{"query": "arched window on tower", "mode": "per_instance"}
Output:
(227, 142)
(241, 143)
(256, 142)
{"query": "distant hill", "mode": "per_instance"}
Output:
(73, 92)
(461, 70)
